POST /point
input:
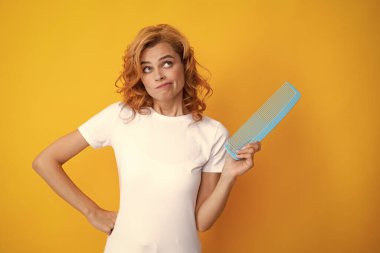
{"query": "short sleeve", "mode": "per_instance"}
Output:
(218, 151)
(97, 130)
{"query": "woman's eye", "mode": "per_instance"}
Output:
(168, 63)
(145, 68)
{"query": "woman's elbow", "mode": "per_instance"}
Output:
(39, 162)
(203, 227)
(36, 163)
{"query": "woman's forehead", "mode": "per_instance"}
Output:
(158, 52)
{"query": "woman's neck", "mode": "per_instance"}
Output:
(171, 110)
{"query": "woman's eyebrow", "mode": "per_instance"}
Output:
(163, 57)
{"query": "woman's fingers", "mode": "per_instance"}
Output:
(245, 155)
(103, 220)
(258, 146)
(246, 151)
(250, 148)
(113, 220)
(114, 216)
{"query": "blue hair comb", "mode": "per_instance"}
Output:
(264, 119)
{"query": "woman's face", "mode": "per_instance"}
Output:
(162, 73)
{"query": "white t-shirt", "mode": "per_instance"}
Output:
(159, 160)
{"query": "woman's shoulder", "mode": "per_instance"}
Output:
(207, 120)
(115, 108)
(212, 121)
(213, 125)
(118, 106)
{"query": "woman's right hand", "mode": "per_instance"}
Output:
(102, 219)
(48, 164)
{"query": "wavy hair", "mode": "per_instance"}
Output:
(196, 88)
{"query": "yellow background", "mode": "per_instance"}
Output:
(314, 187)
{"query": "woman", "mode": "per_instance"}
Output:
(175, 175)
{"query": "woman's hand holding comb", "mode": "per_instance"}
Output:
(233, 168)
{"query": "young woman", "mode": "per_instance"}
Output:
(175, 175)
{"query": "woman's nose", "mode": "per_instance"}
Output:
(159, 75)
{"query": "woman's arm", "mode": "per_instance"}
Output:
(215, 187)
(212, 197)
(48, 164)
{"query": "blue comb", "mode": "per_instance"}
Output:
(264, 119)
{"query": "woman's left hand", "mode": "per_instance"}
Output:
(233, 168)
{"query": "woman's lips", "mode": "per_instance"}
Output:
(164, 85)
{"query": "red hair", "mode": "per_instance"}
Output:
(196, 88)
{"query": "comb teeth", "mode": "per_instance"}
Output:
(276, 102)
(265, 119)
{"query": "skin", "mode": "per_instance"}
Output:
(214, 188)
(161, 64)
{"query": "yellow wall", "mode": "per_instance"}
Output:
(314, 187)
